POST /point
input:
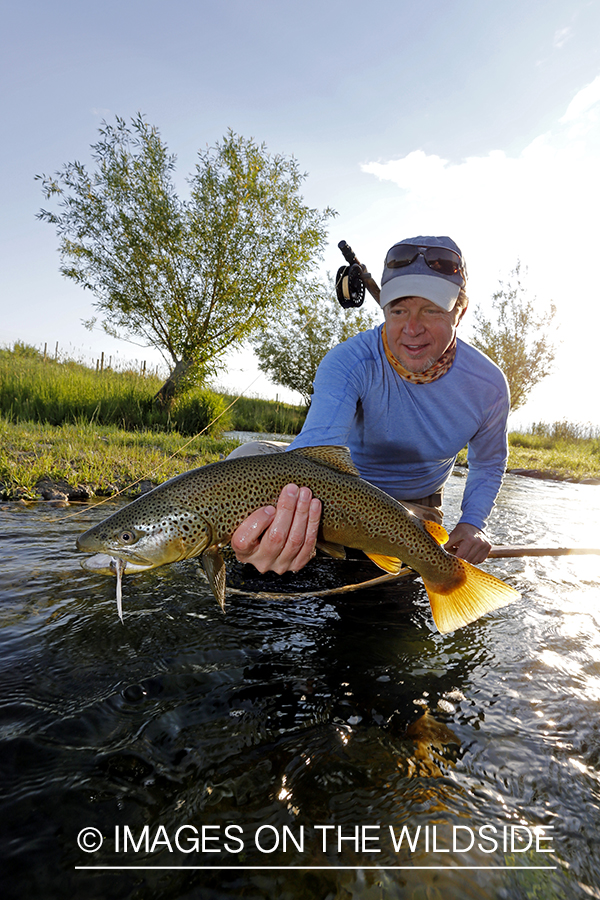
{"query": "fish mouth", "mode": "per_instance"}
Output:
(147, 554)
(103, 564)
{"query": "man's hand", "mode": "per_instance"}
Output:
(283, 539)
(468, 543)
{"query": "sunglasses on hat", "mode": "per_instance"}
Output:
(439, 259)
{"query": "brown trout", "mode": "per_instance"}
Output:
(196, 513)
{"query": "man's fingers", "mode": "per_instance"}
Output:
(469, 543)
(307, 529)
(281, 539)
(281, 531)
(289, 543)
(247, 537)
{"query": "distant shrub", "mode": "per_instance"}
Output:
(548, 436)
(20, 350)
(255, 414)
(566, 431)
(200, 410)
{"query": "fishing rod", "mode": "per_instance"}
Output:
(497, 552)
(351, 280)
(508, 552)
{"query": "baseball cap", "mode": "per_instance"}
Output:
(420, 276)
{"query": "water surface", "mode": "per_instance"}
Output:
(278, 719)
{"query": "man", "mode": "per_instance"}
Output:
(405, 397)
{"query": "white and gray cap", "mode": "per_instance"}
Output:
(413, 268)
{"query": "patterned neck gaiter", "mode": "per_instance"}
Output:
(439, 368)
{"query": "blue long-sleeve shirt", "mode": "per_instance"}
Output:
(404, 437)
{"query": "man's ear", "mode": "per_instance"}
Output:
(462, 312)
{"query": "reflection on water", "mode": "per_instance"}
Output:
(305, 733)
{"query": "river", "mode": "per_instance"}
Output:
(324, 748)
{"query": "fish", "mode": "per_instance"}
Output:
(194, 515)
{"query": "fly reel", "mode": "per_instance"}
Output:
(349, 286)
(351, 280)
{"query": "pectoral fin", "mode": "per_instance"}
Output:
(338, 551)
(214, 567)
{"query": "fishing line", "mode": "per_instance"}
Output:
(157, 468)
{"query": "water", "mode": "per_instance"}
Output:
(277, 719)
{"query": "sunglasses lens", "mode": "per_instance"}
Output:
(400, 256)
(446, 262)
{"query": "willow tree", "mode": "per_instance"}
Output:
(516, 337)
(314, 322)
(193, 277)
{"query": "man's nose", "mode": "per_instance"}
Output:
(413, 325)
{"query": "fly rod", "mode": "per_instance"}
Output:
(495, 553)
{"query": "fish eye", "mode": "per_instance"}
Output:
(127, 537)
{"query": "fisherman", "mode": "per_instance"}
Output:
(405, 397)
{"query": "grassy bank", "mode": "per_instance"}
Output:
(104, 459)
(95, 459)
(62, 421)
(561, 451)
(98, 431)
(66, 392)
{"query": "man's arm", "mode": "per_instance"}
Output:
(487, 457)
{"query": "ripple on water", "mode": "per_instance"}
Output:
(349, 712)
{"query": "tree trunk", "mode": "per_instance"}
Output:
(166, 394)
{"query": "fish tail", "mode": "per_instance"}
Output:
(477, 594)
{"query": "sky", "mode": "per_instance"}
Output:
(474, 119)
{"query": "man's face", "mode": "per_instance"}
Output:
(419, 332)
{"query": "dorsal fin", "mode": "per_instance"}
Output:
(437, 532)
(332, 456)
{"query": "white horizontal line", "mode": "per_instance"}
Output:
(318, 868)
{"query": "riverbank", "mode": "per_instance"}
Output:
(77, 462)
(572, 461)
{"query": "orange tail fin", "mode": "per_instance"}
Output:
(480, 593)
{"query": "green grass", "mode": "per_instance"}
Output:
(561, 450)
(266, 416)
(34, 389)
(56, 393)
(103, 458)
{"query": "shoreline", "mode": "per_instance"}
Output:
(75, 463)
(549, 475)
(542, 475)
(61, 493)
